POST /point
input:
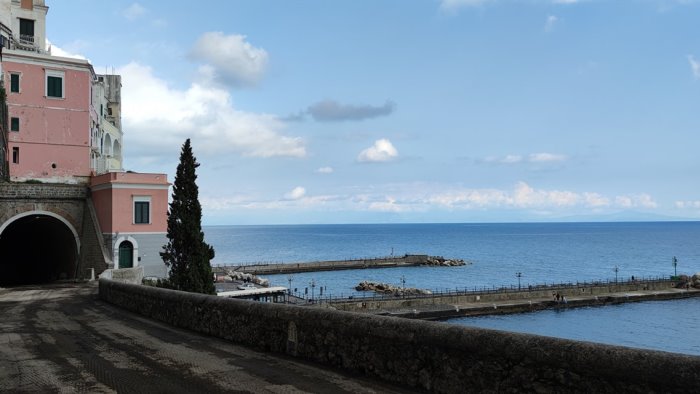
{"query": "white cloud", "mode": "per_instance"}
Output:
(421, 197)
(531, 158)
(158, 118)
(595, 200)
(57, 51)
(635, 201)
(134, 11)
(229, 59)
(688, 204)
(694, 66)
(296, 193)
(382, 150)
(325, 170)
(549, 24)
(508, 159)
(546, 157)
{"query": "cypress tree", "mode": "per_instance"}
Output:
(186, 254)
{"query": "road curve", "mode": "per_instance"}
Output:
(61, 338)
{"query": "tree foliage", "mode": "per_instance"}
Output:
(186, 254)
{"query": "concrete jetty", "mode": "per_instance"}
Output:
(503, 301)
(441, 312)
(408, 260)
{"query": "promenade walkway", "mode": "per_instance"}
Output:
(61, 338)
(443, 311)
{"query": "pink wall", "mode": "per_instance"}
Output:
(52, 130)
(37, 161)
(113, 195)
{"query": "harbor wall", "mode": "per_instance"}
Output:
(368, 304)
(437, 357)
(334, 265)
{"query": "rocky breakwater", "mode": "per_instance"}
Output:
(246, 278)
(385, 288)
(695, 280)
(438, 261)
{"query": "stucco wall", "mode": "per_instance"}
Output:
(147, 248)
(54, 133)
(435, 356)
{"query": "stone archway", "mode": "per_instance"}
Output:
(37, 247)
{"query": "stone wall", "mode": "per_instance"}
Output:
(93, 254)
(70, 202)
(42, 191)
(438, 357)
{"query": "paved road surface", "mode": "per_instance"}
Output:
(61, 338)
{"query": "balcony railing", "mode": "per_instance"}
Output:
(26, 39)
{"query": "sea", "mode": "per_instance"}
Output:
(498, 255)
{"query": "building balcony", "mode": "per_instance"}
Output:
(25, 39)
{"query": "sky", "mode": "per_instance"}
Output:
(393, 111)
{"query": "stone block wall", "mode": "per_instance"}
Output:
(438, 357)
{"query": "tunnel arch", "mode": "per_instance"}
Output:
(37, 247)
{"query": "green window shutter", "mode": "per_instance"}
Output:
(14, 83)
(54, 86)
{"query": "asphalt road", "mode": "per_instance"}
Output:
(61, 338)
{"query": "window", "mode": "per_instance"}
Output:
(14, 83)
(142, 210)
(26, 32)
(15, 155)
(14, 124)
(54, 84)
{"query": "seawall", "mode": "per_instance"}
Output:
(430, 355)
(334, 265)
(513, 300)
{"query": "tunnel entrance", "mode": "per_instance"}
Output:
(35, 249)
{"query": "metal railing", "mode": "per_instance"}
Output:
(440, 293)
(26, 39)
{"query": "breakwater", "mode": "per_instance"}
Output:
(432, 356)
(408, 260)
(442, 305)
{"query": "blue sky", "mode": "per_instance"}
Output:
(408, 111)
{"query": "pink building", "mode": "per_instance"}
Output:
(132, 211)
(65, 128)
(49, 103)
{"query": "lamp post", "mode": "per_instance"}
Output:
(403, 282)
(519, 275)
(289, 289)
(616, 269)
(313, 286)
(675, 264)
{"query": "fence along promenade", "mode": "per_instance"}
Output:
(488, 301)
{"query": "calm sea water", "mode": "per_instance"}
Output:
(542, 252)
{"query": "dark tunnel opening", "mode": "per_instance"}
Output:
(36, 249)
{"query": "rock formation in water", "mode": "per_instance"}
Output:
(385, 288)
(244, 277)
(443, 262)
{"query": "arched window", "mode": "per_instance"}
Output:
(107, 148)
